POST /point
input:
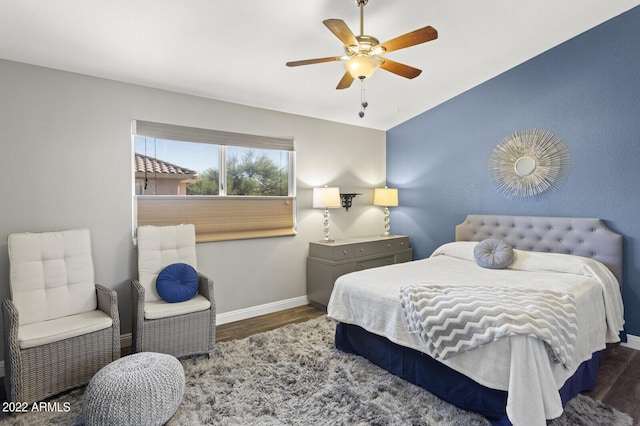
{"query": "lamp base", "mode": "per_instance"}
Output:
(326, 241)
(326, 238)
(387, 225)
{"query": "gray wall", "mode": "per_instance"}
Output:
(587, 91)
(65, 162)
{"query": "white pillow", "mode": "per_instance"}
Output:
(554, 262)
(459, 249)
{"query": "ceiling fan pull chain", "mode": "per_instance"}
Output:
(363, 101)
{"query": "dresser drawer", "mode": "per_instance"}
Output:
(374, 263)
(387, 245)
(344, 252)
(332, 252)
(404, 256)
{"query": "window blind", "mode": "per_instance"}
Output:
(194, 134)
(221, 218)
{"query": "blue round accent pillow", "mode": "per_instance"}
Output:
(177, 282)
(493, 254)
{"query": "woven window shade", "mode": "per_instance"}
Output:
(194, 134)
(221, 218)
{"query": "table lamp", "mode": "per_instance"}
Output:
(326, 198)
(386, 197)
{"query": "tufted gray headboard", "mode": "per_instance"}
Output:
(585, 237)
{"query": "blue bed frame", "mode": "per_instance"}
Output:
(587, 237)
(444, 382)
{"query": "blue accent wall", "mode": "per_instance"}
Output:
(587, 92)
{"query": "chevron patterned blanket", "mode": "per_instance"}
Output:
(456, 319)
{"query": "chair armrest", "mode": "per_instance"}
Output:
(11, 321)
(137, 293)
(108, 303)
(12, 359)
(137, 305)
(205, 287)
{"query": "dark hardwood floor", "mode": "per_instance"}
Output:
(618, 382)
(241, 329)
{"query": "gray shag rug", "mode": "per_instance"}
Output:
(295, 376)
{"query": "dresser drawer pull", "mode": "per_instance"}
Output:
(388, 245)
(344, 252)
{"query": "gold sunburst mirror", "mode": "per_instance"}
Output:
(528, 164)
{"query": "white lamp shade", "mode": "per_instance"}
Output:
(362, 66)
(386, 197)
(326, 198)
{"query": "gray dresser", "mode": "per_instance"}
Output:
(328, 261)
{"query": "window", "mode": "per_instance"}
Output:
(252, 171)
(229, 185)
(166, 167)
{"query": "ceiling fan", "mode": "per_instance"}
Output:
(363, 53)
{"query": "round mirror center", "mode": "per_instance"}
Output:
(524, 166)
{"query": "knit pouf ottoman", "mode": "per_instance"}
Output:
(140, 389)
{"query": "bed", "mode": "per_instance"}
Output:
(513, 379)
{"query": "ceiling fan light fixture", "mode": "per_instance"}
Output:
(364, 53)
(377, 50)
(362, 66)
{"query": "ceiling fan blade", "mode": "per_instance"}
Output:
(345, 82)
(421, 35)
(314, 61)
(342, 31)
(399, 69)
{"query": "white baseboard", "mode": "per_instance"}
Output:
(633, 342)
(267, 308)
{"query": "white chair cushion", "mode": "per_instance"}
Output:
(161, 309)
(51, 274)
(160, 246)
(54, 330)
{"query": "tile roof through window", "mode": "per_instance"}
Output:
(143, 163)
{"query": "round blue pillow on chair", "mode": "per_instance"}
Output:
(177, 282)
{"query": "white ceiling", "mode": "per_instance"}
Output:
(236, 50)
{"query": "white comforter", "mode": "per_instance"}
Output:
(518, 364)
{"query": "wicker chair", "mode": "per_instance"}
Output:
(179, 329)
(60, 328)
